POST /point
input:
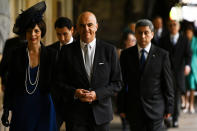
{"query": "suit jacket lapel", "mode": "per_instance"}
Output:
(79, 58)
(151, 56)
(97, 56)
(24, 61)
(136, 58)
(42, 59)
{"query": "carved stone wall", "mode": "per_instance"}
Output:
(4, 22)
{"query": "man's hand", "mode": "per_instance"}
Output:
(166, 116)
(187, 70)
(80, 93)
(91, 96)
(85, 95)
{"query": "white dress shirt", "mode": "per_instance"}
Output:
(174, 38)
(159, 32)
(92, 48)
(147, 49)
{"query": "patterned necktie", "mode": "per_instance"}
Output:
(142, 60)
(87, 61)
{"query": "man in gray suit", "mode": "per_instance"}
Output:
(89, 74)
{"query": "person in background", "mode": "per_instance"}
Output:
(180, 57)
(132, 26)
(128, 40)
(192, 77)
(159, 30)
(148, 85)
(30, 76)
(64, 31)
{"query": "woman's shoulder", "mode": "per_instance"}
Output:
(19, 50)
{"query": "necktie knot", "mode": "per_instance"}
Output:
(142, 51)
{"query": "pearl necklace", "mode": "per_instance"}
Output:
(29, 79)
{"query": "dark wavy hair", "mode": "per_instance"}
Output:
(41, 24)
(124, 38)
(63, 22)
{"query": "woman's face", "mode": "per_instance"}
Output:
(130, 41)
(33, 36)
(189, 34)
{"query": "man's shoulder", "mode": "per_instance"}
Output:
(105, 44)
(160, 50)
(130, 49)
(54, 45)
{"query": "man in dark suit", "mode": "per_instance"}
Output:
(64, 31)
(180, 56)
(159, 30)
(148, 84)
(89, 74)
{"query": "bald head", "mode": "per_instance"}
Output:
(85, 15)
(87, 26)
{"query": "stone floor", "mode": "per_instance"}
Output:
(188, 122)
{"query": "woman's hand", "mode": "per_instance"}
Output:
(4, 118)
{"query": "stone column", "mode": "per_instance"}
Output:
(4, 22)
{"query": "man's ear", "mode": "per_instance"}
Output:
(72, 30)
(153, 34)
(97, 26)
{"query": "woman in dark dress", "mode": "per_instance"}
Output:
(30, 76)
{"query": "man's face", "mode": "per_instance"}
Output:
(144, 36)
(87, 27)
(157, 22)
(64, 34)
(174, 27)
(189, 34)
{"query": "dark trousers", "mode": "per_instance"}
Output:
(143, 123)
(125, 124)
(71, 126)
(177, 104)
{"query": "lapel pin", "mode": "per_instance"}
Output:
(153, 55)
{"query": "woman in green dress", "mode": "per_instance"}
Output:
(192, 77)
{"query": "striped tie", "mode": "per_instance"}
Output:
(87, 60)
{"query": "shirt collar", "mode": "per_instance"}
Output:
(176, 36)
(91, 44)
(159, 31)
(147, 48)
(70, 41)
